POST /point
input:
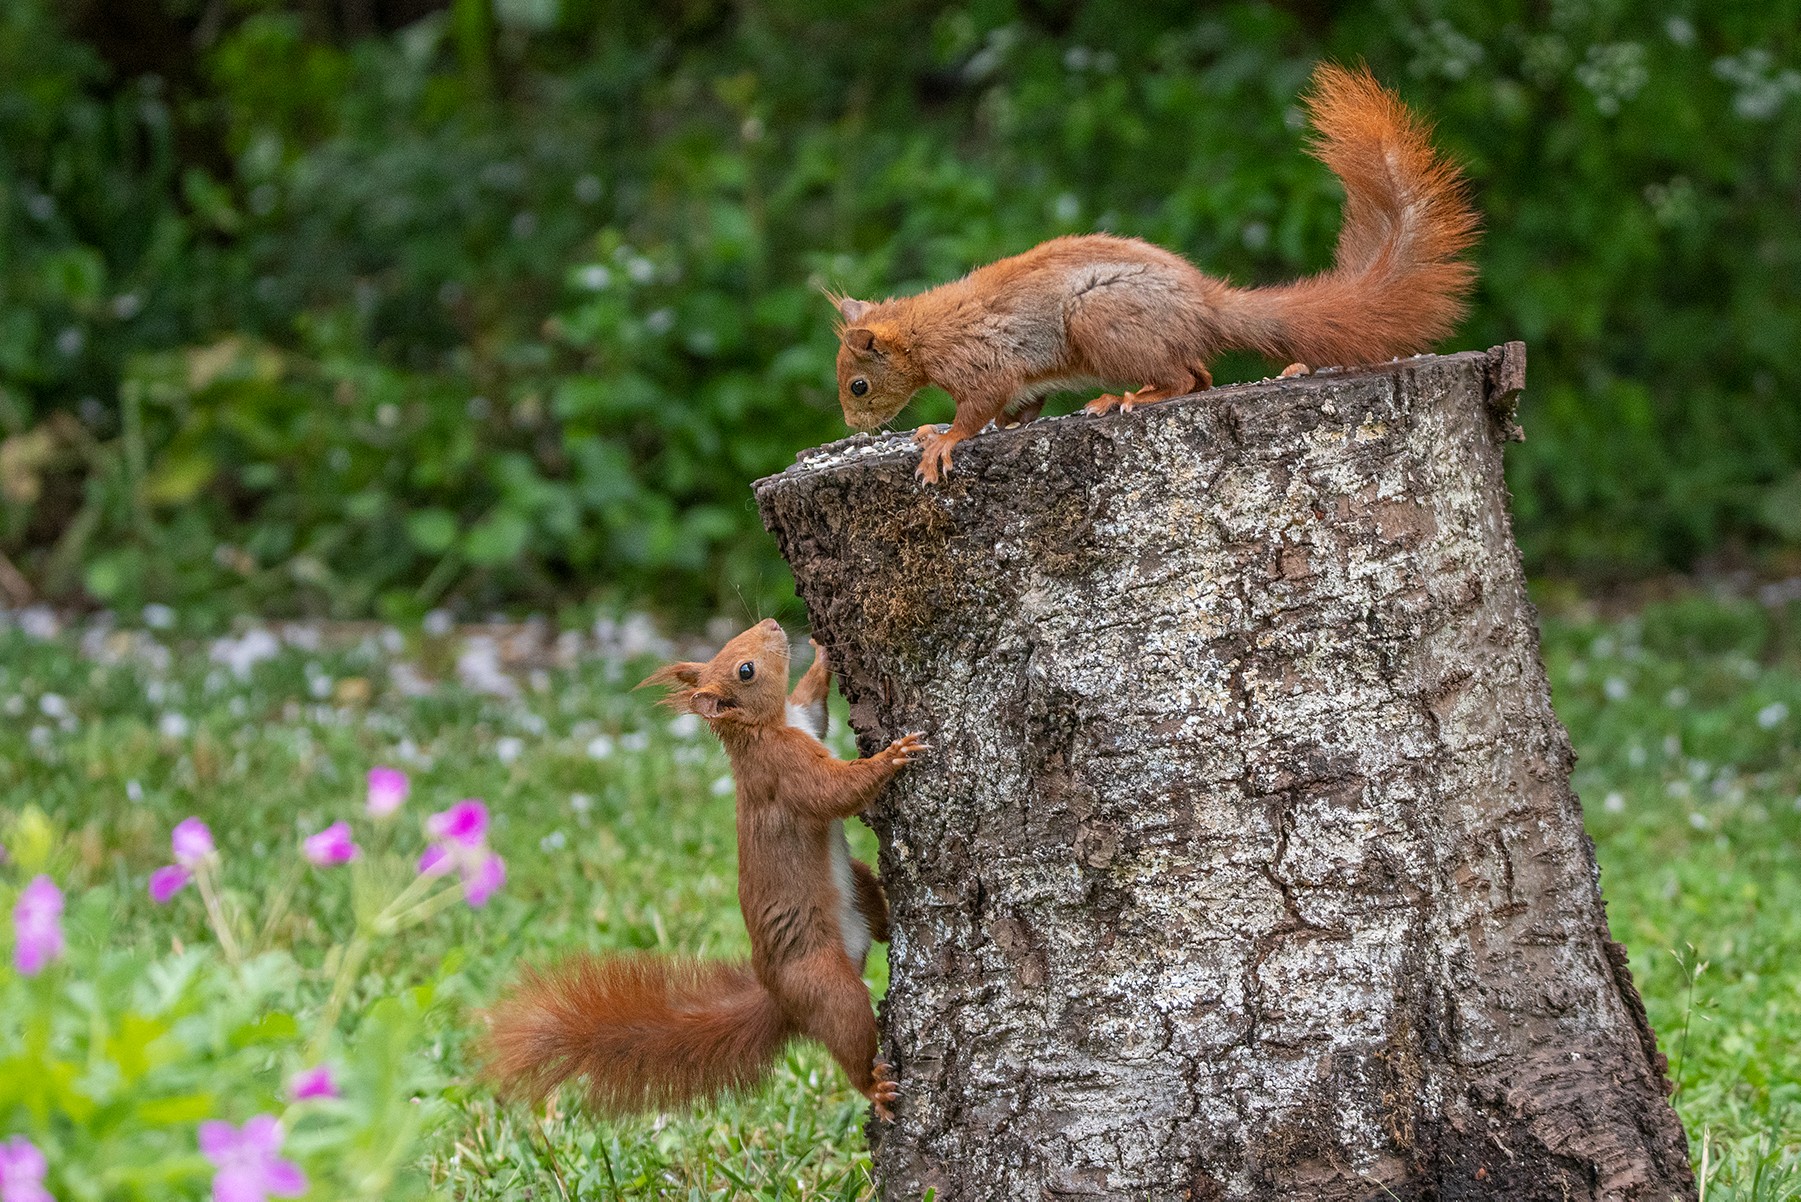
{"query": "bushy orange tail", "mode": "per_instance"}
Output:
(1397, 285)
(641, 1032)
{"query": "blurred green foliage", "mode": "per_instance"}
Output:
(508, 304)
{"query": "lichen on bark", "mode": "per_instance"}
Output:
(1247, 864)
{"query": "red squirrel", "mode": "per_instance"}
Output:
(1097, 309)
(644, 1031)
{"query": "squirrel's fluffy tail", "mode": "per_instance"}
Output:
(639, 1031)
(1397, 285)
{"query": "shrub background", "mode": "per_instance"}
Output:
(372, 306)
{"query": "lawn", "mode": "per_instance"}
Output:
(615, 825)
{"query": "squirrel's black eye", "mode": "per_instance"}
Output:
(747, 671)
(859, 386)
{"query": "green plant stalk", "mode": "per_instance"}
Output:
(277, 908)
(215, 913)
(349, 965)
(430, 908)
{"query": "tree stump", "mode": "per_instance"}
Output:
(1246, 864)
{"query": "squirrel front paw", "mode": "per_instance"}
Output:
(935, 453)
(907, 748)
(884, 1091)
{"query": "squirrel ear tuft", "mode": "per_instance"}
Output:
(852, 310)
(682, 674)
(859, 339)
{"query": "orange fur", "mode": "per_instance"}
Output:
(645, 1031)
(1120, 311)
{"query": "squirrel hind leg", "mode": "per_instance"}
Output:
(1186, 382)
(830, 1003)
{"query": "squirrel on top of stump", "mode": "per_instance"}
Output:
(1098, 309)
(644, 1031)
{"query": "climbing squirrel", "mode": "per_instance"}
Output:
(644, 1031)
(1097, 309)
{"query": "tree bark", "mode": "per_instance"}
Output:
(1246, 864)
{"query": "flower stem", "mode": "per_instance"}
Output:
(349, 965)
(215, 912)
(436, 904)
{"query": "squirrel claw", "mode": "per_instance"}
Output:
(883, 1091)
(909, 747)
(1100, 406)
(935, 458)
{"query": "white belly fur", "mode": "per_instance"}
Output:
(851, 925)
(852, 928)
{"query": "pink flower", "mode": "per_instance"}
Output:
(166, 882)
(247, 1162)
(37, 926)
(435, 861)
(387, 790)
(484, 880)
(22, 1170)
(192, 842)
(465, 823)
(332, 845)
(313, 1083)
(461, 835)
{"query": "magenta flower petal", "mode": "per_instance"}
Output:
(332, 845)
(313, 1084)
(284, 1179)
(240, 1183)
(37, 926)
(466, 823)
(263, 1133)
(167, 882)
(192, 841)
(218, 1140)
(434, 861)
(22, 1169)
(387, 790)
(248, 1161)
(484, 880)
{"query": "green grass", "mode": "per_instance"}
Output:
(1687, 718)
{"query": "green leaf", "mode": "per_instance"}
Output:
(176, 1111)
(432, 530)
(496, 539)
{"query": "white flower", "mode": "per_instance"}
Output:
(685, 726)
(507, 749)
(554, 841)
(52, 705)
(158, 617)
(134, 791)
(1614, 802)
(722, 786)
(599, 748)
(244, 653)
(1771, 715)
(581, 803)
(479, 670)
(1616, 689)
(635, 740)
(173, 725)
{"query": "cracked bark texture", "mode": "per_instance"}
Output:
(1246, 864)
